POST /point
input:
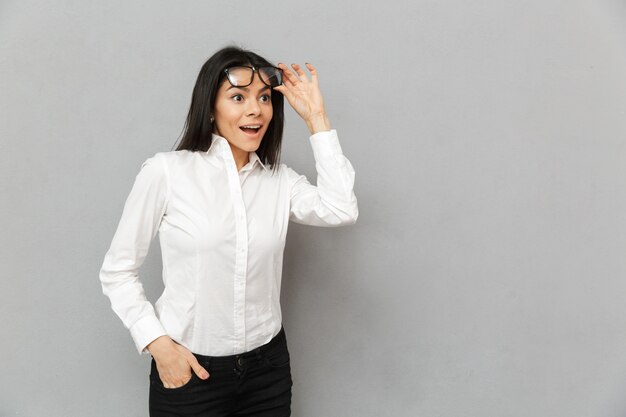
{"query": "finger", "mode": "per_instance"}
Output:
(287, 88)
(290, 79)
(288, 83)
(171, 382)
(300, 72)
(164, 376)
(198, 369)
(286, 71)
(184, 380)
(288, 74)
(282, 89)
(287, 94)
(176, 381)
(313, 72)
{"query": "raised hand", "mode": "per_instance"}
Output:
(304, 96)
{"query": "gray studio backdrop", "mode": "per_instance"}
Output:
(486, 274)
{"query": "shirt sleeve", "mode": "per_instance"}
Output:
(141, 217)
(332, 202)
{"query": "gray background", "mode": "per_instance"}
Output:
(485, 275)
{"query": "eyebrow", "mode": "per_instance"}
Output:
(265, 88)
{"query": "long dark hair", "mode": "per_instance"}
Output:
(196, 135)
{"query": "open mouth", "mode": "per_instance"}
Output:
(250, 129)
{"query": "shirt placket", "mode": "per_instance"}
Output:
(241, 253)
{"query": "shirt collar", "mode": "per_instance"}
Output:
(255, 159)
(220, 145)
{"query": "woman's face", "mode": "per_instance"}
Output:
(242, 114)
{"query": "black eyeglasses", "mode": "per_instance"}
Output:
(242, 76)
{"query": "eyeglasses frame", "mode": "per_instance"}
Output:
(254, 69)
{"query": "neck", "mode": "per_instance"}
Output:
(241, 157)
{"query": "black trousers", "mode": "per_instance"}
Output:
(257, 383)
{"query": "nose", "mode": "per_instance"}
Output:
(253, 108)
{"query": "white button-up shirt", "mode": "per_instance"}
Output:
(222, 234)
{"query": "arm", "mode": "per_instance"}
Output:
(332, 202)
(143, 210)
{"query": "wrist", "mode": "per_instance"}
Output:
(160, 344)
(318, 123)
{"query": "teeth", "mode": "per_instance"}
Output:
(252, 127)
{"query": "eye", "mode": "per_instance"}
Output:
(265, 98)
(237, 97)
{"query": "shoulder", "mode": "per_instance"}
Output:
(171, 160)
(173, 157)
(161, 165)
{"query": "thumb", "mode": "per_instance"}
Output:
(282, 89)
(198, 369)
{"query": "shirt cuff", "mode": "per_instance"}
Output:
(325, 144)
(145, 331)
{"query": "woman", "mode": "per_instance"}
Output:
(221, 204)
